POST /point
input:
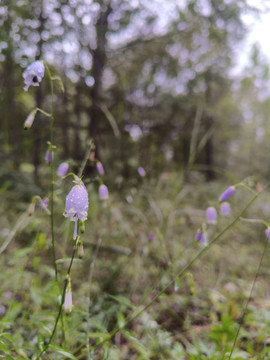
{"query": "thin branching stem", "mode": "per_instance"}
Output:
(52, 172)
(90, 276)
(61, 305)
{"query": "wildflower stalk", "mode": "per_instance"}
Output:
(62, 302)
(248, 300)
(90, 276)
(52, 172)
(180, 274)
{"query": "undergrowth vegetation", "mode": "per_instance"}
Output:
(134, 245)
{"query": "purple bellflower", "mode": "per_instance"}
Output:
(267, 233)
(225, 208)
(77, 205)
(33, 74)
(141, 171)
(211, 215)
(227, 193)
(151, 236)
(48, 156)
(200, 236)
(44, 204)
(100, 168)
(62, 169)
(103, 192)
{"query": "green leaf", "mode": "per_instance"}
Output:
(63, 352)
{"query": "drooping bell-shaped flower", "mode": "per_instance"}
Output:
(77, 205)
(267, 233)
(100, 168)
(48, 156)
(227, 193)
(211, 215)
(201, 237)
(103, 192)
(141, 171)
(33, 74)
(62, 169)
(225, 208)
(44, 204)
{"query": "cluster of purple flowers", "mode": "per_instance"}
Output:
(212, 215)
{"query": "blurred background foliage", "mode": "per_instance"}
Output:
(153, 83)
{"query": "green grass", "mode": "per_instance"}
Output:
(196, 318)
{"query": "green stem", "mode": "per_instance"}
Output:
(91, 269)
(248, 300)
(52, 173)
(61, 305)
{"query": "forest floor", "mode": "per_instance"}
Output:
(131, 298)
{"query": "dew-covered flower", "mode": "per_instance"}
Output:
(227, 193)
(200, 236)
(103, 192)
(267, 233)
(225, 209)
(68, 298)
(100, 168)
(211, 215)
(33, 74)
(62, 169)
(141, 171)
(77, 205)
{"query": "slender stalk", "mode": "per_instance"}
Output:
(52, 173)
(86, 157)
(248, 300)
(61, 305)
(90, 276)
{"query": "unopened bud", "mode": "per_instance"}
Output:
(31, 208)
(82, 227)
(68, 298)
(29, 120)
(80, 251)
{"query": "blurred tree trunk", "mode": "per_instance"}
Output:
(208, 123)
(11, 125)
(99, 60)
(77, 150)
(65, 120)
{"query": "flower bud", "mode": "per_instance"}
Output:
(227, 193)
(68, 298)
(200, 236)
(103, 192)
(80, 250)
(141, 171)
(29, 120)
(225, 209)
(100, 168)
(211, 215)
(267, 233)
(31, 208)
(62, 169)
